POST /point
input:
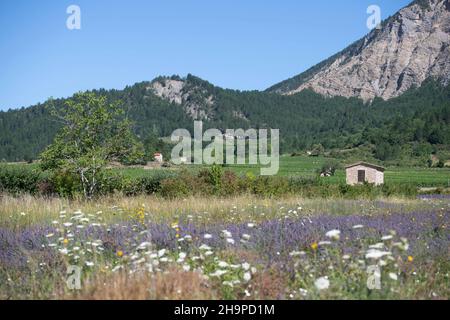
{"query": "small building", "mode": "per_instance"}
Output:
(361, 172)
(158, 157)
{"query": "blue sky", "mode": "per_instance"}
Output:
(238, 44)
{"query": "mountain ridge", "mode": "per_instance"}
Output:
(416, 119)
(410, 47)
(304, 119)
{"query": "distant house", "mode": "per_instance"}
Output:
(361, 172)
(158, 157)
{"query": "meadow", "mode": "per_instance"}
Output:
(205, 233)
(243, 247)
(306, 167)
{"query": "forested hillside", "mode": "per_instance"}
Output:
(418, 121)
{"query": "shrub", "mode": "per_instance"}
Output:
(17, 179)
(271, 186)
(174, 188)
(329, 168)
(215, 177)
(171, 184)
(45, 187)
(403, 189)
(64, 184)
(150, 185)
(232, 184)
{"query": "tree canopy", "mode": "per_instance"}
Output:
(93, 134)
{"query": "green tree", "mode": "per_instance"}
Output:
(317, 150)
(94, 133)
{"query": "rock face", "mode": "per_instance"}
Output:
(169, 89)
(409, 47)
(189, 92)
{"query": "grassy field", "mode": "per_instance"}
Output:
(307, 167)
(234, 247)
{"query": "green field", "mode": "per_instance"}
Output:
(307, 167)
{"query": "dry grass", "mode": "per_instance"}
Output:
(172, 285)
(270, 284)
(27, 210)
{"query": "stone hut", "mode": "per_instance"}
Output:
(361, 172)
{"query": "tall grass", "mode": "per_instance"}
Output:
(26, 210)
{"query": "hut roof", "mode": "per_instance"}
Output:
(366, 164)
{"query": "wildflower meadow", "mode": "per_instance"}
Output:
(231, 248)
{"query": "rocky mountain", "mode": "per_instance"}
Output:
(191, 93)
(408, 48)
(417, 121)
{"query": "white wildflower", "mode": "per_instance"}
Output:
(322, 283)
(303, 292)
(333, 234)
(143, 245)
(297, 253)
(393, 276)
(218, 273)
(226, 234)
(204, 247)
(246, 266)
(186, 267)
(376, 254)
(382, 263)
(379, 245)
